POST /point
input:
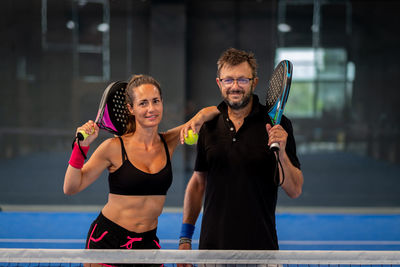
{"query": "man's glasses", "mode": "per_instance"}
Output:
(240, 81)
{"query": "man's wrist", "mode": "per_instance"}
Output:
(187, 230)
(185, 240)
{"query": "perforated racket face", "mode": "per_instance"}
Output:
(278, 90)
(113, 113)
(275, 86)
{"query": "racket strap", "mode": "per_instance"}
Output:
(77, 141)
(78, 155)
(276, 174)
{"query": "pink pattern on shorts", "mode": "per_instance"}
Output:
(158, 245)
(128, 244)
(96, 239)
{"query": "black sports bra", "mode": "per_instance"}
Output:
(129, 180)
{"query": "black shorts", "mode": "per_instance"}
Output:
(105, 234)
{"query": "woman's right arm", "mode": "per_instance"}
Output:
(76, 179)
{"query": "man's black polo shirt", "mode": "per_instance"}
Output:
(241, 195)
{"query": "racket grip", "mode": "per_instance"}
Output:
(81, 135)
(274, 147)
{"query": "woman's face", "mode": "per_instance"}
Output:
(147, 105)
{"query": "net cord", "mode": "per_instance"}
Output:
(200, 256)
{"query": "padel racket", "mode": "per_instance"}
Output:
(278, 93)
(113, 113)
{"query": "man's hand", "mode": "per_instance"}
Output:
(277, 134)
(185, 246)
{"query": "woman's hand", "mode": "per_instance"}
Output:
(91, 129)
(198, 120)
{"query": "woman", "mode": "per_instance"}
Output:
(139, 166)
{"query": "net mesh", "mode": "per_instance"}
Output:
(220, 258)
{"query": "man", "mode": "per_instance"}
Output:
(235, 168)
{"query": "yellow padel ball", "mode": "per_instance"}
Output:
(191, 138)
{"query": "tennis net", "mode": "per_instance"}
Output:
(220, 258)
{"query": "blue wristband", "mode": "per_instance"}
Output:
(187, 230)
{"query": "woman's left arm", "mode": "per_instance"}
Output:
(177, 135)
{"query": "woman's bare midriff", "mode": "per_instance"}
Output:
(135, 213)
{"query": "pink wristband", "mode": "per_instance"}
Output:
(76, 160)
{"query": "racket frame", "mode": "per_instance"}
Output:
(275, 112)
(104, 112)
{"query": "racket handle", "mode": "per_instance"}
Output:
(274, 147)
(81, 135)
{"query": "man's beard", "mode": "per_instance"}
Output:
(241, 104)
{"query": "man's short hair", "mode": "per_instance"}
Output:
(233, 57)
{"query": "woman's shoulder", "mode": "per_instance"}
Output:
(170, 140)
(165, 138)
(110, 145)
(112, 141)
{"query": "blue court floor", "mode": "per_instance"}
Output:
(305, 231)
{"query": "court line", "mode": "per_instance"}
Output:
(175, 241)
(67, 241)
(339, 242)
(390, 210)
(40, 240)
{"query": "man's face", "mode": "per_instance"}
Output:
(236, 84)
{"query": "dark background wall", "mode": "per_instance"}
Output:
(52, 82)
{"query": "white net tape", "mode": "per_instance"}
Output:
(201, 256)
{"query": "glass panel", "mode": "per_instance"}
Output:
(300, 101)
(321, 84)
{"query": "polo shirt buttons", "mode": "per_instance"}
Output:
(231, 129)
(234, 139)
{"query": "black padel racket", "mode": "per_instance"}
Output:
(278, 93)
(113, 113)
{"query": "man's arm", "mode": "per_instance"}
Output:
(193, 201)
(293, 182)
